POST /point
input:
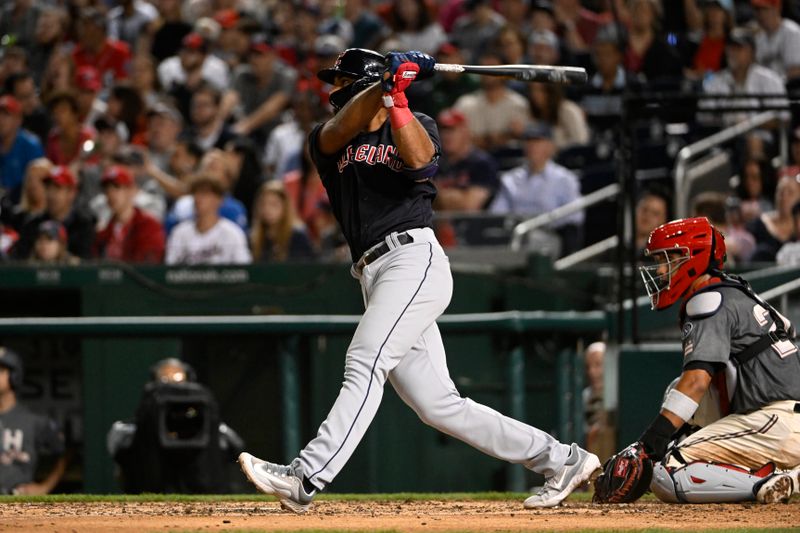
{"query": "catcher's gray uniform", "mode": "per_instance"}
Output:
(762, 395)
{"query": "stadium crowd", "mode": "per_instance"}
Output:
(174, 131)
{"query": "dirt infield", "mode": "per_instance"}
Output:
(407, 515)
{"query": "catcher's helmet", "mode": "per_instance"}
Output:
(13, 363)
(682, 250)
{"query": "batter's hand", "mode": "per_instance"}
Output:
(397, 61)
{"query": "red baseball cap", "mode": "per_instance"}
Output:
(194, 41)
(118, 175)
(227, 18)
(766, 3)
(450, 118)
(88, 78)
(10, 105)
(61, 176)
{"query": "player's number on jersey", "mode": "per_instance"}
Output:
(782, 348)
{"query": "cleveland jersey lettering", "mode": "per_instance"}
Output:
(372, 155)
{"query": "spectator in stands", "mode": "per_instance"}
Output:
(496, 115)
(277, 234)
(49, 32)
(35, 118)
(475, 28)
(208, 239)
(744, 244)
(125, 104)
(183, 75)
(739, 244)
(793, 166)
(652, 210)
(755, 186)
(128, 21)
(60, 193)
(467, 178)
(182, 165)
(743, 76)
(164, 126)
(26, 438)
(207, 129)
(332, 245)
(789, 253)
(511, 45)
(32, 200)
(541, 185)
(367, 26)
(8, 237)
(217, 164)
(50, 246)
(244, 169)
(578, 25)
(13, 60)
(59, 75)
(549, 105)
(168, 30)
(262, 90)
(18, 19)
(602, 100)
(446, 87)
(131, 235)
(164, 449)
(17, 148)
(89, 85)
(95, 48)
(413, 24)
(68, 135)
(710, 53)
(542, 16)
(598, 430)
(305, 190)
(543, 48)
(145, 80)
(648, 52)
(283, 147)
(775, 228)
(778, 42)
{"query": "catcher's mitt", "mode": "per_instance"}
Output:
(626, 476)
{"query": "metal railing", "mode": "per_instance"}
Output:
(682, 178)
(600, 195)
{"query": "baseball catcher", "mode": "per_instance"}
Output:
(740, 386)
(376, 158)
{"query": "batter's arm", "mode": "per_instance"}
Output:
(353, 118)
(413, 144)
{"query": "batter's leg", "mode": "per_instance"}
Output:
(423, 381)
(405, 294)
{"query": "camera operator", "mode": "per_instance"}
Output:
(177, 443)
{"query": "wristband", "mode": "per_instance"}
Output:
(680, 404)
(399, 113)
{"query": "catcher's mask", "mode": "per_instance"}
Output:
(681, 251)
(353, 63)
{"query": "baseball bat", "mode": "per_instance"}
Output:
(540, 73)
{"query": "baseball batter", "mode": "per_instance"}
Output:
(740, 383)
(376, 159)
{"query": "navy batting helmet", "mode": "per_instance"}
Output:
(357, 64)
(13, 363)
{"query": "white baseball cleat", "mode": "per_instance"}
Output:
(582, 465)
(283, 482)
(779, 487)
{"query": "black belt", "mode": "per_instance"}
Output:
(375, 252)
(797, 408)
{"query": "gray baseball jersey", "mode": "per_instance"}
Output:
(24, 437)
(723, 320)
